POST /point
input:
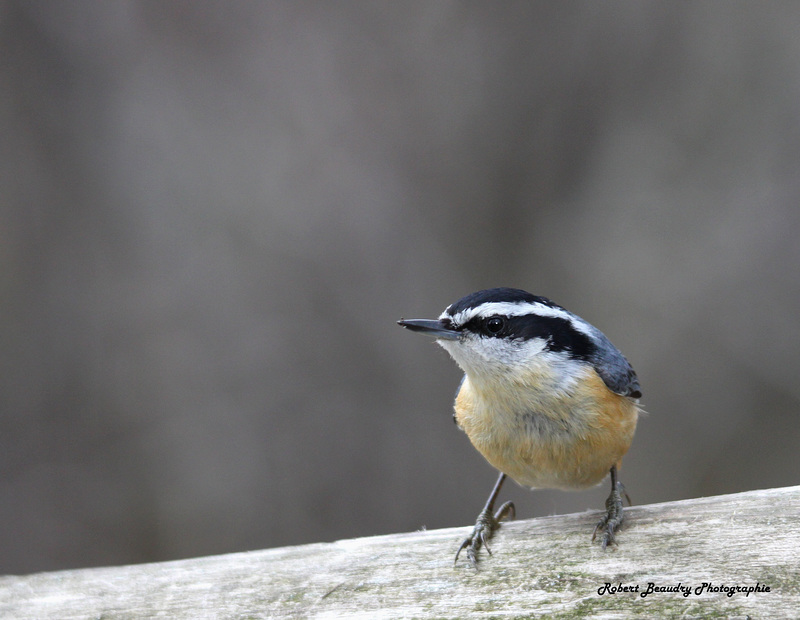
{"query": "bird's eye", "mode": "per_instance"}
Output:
(495, 324)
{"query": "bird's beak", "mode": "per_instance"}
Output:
(436, 329)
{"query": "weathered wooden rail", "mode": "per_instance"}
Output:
(747, 546)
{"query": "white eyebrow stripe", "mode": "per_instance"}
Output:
(520, 308)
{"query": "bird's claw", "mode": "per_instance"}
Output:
(484, 529)
(611, 521)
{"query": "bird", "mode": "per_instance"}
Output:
(545, 398)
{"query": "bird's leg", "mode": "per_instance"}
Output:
(488, 521)
(612, 520)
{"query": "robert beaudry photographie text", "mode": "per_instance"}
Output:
(685, 590)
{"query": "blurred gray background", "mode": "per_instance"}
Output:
(213, 213)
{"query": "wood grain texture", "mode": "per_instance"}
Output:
(544, 566)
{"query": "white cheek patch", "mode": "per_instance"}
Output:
(481, 355)
(494, 360)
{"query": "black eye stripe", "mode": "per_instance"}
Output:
(559, 333)
(495, 326)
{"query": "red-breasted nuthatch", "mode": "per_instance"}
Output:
(546, 398)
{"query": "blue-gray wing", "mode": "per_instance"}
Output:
(615, 371)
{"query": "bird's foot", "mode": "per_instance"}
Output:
(484, 529)
(612, 520)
